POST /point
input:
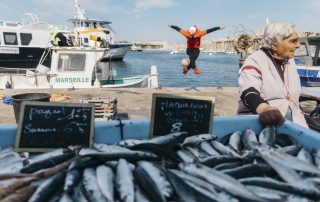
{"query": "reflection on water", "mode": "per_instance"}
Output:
(216, 70)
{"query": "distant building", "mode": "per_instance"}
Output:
(228, 44)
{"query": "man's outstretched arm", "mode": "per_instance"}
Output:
(175, 27)
(215, 29)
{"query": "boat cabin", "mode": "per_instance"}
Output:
(75, 67)
(309, 52)
(23, 44)
(308, 61)
(71, 67)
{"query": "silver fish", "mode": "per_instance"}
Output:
(9, 157)
(223, 181)
(77, 195)
(106, 176)
(84, 151)
(249, 139)
(168, 139)
(139, 195)
(206, 147)
(192, 150)
(221, 148)
(316, 157)
(48, 188)
(205, 186)
(197, 139)
(287, 173)
(267, 193)
(235, 140)
(305, 156)
(110, 148)
(131, 142)
(158, 177)
(291, 188)
(268, 136)
(189, 191)
(43, 156)
(90, 186)
(292, 149)
(185, 156)
(12, 167)
(124, 181)
(287, 160)
(72, 180)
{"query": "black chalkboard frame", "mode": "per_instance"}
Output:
(51, 104)
(177, 96)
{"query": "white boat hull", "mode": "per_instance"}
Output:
(117, 52)
(140, 82)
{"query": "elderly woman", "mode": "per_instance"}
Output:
(268, 80)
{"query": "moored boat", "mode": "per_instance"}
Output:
(23, 43)
(308, 61)
(89, 30)
(74, 67)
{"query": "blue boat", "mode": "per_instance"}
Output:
(308, 61)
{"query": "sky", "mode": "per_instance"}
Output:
(146, 20)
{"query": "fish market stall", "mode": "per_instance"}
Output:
(239, 161)
(139, 129)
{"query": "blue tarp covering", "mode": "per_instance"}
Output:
(8, 100)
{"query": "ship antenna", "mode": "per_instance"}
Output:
(78, 13)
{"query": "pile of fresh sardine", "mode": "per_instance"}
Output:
(243, 166)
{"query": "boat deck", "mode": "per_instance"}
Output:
(137, 102)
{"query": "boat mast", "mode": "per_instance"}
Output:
(78, 13)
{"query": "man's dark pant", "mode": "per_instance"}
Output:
(193, 54)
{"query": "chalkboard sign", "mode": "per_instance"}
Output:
(175, 113)
(45, 125)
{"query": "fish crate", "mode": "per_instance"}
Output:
(140, 129)
(105, 108)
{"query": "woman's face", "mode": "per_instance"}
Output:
(285, 48)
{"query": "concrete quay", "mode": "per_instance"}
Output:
(136, 102)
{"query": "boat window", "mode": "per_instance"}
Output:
(71, 62)
(317, 56)
(25, 38)
(312, 49)
(10, 38)
(85, 41)
(302, 51)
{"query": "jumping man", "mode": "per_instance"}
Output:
(193, 36)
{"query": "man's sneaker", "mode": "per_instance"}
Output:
(185, 70)
(196, 70)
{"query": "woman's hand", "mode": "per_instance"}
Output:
(221, 26)
(269, 115)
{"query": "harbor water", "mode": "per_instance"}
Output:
(216, 69)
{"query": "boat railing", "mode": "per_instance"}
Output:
(27, 80)
(30, 18)
(6, 70)
(30, 75)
